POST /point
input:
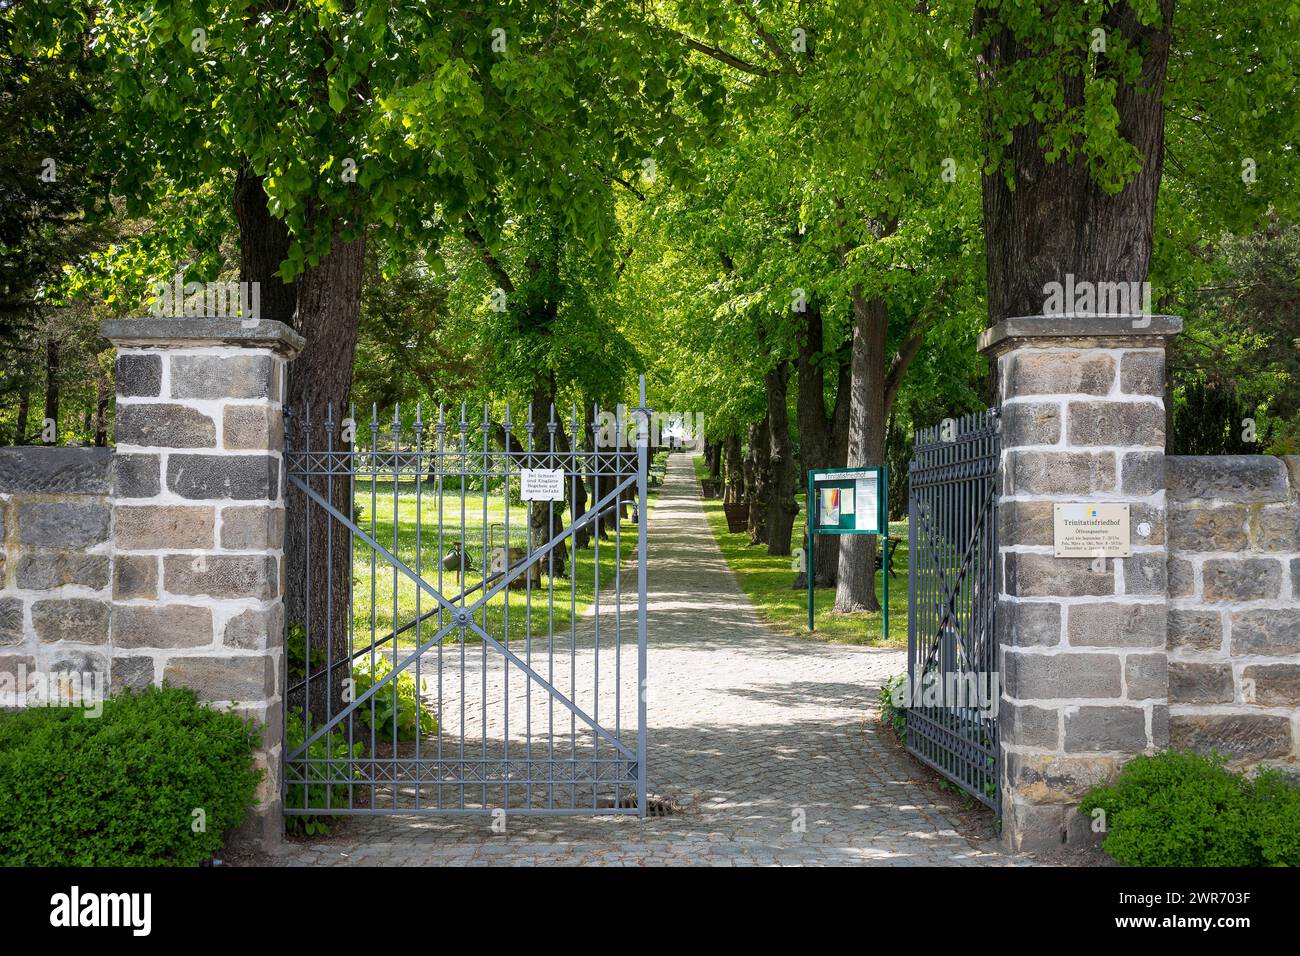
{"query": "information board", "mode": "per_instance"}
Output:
(847, 502)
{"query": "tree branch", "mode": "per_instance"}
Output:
(768, 39)
(494, 265)
(719, 54)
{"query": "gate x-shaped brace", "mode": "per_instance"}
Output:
(463, 617)
(950, 595)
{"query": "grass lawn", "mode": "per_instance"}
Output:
(416, 519)
(767, 581)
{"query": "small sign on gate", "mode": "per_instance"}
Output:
(541, 484)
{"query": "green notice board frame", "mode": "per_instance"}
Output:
(844, 516)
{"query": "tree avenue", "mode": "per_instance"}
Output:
(794, 219)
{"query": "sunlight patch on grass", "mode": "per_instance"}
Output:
(767, 580)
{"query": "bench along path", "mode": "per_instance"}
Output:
(769, 743)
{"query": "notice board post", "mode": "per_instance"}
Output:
(849, 501)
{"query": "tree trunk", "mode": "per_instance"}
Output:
(821, 436)
(781, 504)
(24, 409)
(581, 537)
(52, 384)
(735, 487)
(320, 379)
(1057, 221)
(856, 587)
(713, 457)
(544, 518)
(104, 396)
(758, 480)
(263, 245)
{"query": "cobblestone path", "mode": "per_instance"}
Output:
(751, 732)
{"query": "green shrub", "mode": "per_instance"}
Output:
(895, 714)
(1277, 818)
(1186, 809)
(123, 789)
(387, 711)
(324, 788)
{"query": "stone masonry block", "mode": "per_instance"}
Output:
(1032, 677)
(1031, 423)
(164, 426)
(1144, 573)
(1116, 625)
(54, 471)
(1241, 579)
(1142, 373)
(1025, 522)
(1208, 529)
(1239, 736)
(1142, 473)
(255, 630)
(223, 678)
(1034, 372)
(1031, 827)
(1195, 683)
(236, 477)
(135, 673)
(252, 427)
(1025, 725)
(1116, 423)
(1151, 515)
(1273, 632)
(1033, 472)
(11, 621)
(1275, 685)
(1249, 478)
(163, 527)
(62, 524)
(1028, 623)
(77, 620)
(42, 570)
(252, 528)
(1057, 778)
(135, 576)
(139, 376)
(222, 376)
(1146, 676)
(222, 576)
(1182, 577)
(17, 670)
(1278, 529)
(1197, 629)
(137, 476)
(1098, 729)
(162, 626)
(1042, 575)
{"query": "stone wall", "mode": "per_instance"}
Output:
(1234, 615)
(56, 569)
(161, 561)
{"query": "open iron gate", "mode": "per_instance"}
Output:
(526, 653)
(952, 602)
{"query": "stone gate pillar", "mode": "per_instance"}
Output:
(198, 520)
(1081, 640)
